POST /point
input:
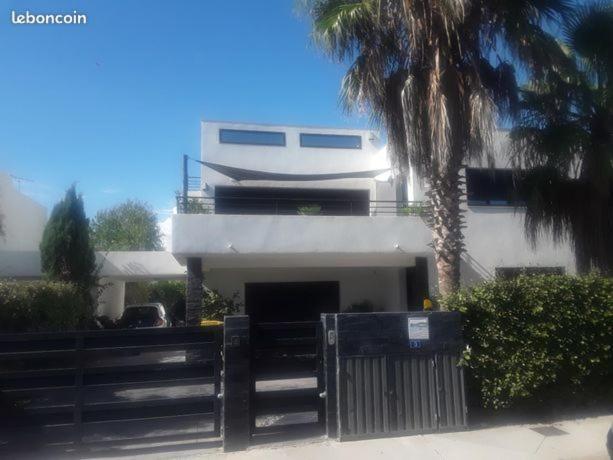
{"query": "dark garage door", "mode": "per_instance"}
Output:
(279, 302)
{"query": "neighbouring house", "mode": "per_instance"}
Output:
(24, 221)
(303, 220)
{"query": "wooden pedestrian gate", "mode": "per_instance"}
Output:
(286, 378)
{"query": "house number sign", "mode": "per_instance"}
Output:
(419, 329)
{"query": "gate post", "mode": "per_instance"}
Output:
(329, 340)
(237, 383)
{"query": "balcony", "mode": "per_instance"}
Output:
(284, 233)
(229, 205)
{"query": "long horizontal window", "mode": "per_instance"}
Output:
(493, 187)
(330, 141)
(247, 137)
(290, 201)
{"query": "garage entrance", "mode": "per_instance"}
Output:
(289, 302)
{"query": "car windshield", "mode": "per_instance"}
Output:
(141, 313)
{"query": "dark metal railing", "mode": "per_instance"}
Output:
(300, 206)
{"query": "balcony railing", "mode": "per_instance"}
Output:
(297, 206)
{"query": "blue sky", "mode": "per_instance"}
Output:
(112, 105)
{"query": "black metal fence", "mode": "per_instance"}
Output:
(87, 389)
(350, 375)
(300, 206)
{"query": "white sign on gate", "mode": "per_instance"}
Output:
(419, 329)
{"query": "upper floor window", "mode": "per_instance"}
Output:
(330, 141)
(248, 137)
(494, 187)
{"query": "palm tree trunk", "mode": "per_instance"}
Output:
(447, 228)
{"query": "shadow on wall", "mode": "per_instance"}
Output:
(127, 269)
(472, 272)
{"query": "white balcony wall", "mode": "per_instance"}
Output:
(294, 241)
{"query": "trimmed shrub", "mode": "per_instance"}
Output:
(172, 295)
(37, 306)
(215, 306)
(137, 292)
(538, 340)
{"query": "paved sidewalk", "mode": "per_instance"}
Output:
(581, 439)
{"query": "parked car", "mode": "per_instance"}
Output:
(144, 315)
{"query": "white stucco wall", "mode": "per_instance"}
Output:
(383, 286)
(294, 159)
(494, 235)
(23, 218)
(495, 238)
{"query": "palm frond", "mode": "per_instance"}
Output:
(589, 32)
(339, 26)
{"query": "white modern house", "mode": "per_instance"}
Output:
(302, 220)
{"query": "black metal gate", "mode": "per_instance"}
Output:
(287, 378)
(382, 382)
(103, 389)
(371, 375)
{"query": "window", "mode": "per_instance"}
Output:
(330, 141)
(239, 136)
(494, 187)
(508, 273)
(291, 201)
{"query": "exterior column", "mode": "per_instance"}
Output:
(193, 291)
(236, 383)
(112, 298)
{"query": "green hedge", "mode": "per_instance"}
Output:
(41, 306)
(172, 295)
(538, 340)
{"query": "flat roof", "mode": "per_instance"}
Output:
(285, 125)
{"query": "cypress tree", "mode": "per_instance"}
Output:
(66, 251)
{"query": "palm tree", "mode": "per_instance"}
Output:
(435, 74)
(565, 135)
